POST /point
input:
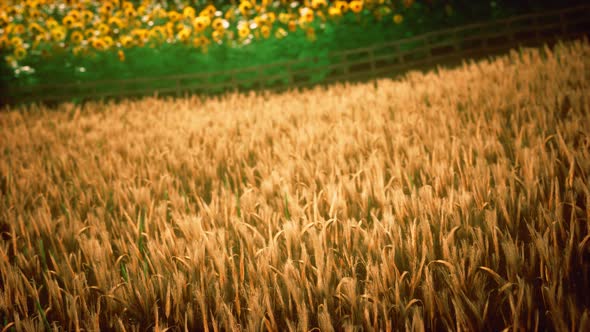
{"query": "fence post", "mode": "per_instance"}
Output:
(232, 79)
(537, 32)
(563, 24)
(400, 56)
(510, 31)
(428, 45)
(372, 59)
(290, 74)
(429, 41)
(261, 78)
(456, 43)
(345, 63)
(484, 44)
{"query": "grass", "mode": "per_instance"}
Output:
(451, 200)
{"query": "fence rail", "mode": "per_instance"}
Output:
(437, 47)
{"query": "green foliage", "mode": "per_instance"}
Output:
(351, 31)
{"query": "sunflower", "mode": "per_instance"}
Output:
(272, 17)
(280, 33)
(34, 14)
(188, 13)
(13, 11)
(4, 42)
(230, 15)
(245, 7)
(284, 18)
(184, 35)
(208, 11)
(78, 5)
(310, 33)
(76, 15)
(157, 34)
(35, 28)
(205, 41)
(106, 8)
(11, 61)
(87, 15)
(398, 19)
(99, 44)
(205, 44)
(218, 24)
(121, 55)
(130, 12)
(140, 35)
(197, 42)
(116, 22)
(261, 20)
(108, 40)
(243, 30)
(3, 18)
(76, 37)
(32, 4)
(20, 53)
(408, 3)
(383, 11)
(201, 42)
(58, 34)
(90, 33)
(174, 16)
(126, 41)
(342, 5)
(104, 29)
(157, 13)
(51, 24)
(68, 21)
(292, 26)
(334, 12)
(127, 4)
(169, 29)
(315, 4)
(200, 23)
(356, 6)
(217, 35)
(77, 26)
(179, 26)
(16, 42)
(78, 50)
(18, 29)
(41, 39)
(306, 14)
(303, 23)
(265, 31)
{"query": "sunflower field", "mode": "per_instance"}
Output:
(64, 41)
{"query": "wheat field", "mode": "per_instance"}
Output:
(456, 199)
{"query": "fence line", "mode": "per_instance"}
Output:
(454, 44)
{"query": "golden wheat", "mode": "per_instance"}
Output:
(456, 199)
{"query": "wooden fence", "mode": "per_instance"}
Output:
(449, 46)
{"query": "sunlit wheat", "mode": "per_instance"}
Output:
(456, 199)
